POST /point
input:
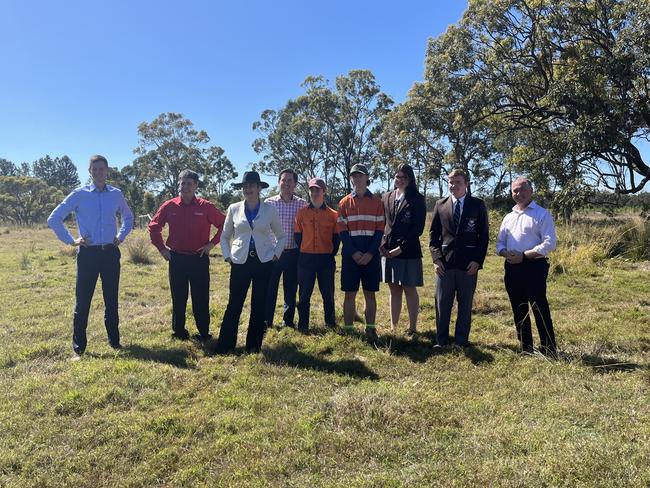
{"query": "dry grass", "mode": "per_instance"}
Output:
(324, 409)
(138, 248)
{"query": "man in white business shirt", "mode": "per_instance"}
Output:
(526, 237)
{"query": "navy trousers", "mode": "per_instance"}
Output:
(287, 267)
(94, 262)
(306, 280)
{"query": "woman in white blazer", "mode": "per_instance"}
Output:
(247, 245)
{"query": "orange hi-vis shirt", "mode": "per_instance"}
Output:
(318, 229)
(360, 223)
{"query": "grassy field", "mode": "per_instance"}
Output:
(325, 409)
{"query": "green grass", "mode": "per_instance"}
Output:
(327, 409)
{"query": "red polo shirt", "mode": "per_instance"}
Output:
(189, 225)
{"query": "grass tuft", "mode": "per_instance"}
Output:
(138, 249)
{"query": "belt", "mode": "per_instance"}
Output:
(252, 253)
(102, 247)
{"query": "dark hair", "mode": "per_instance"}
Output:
(412, 187)
(289, 170)
(97, 157)
(188, 173)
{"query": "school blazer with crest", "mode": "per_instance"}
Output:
(456, 248)
(404, 224)
(237, 232)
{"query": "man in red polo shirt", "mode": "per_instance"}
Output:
(187, 249)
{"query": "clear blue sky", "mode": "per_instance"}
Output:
(79, 76)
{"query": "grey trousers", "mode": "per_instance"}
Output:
(455, 284)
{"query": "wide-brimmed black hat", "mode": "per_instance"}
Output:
(251, 177)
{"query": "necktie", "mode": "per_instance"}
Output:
(457, 215)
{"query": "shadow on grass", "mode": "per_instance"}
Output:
(421, 348)
(290, 355)
(476, 355)
(604, 365)
(174, 357)
(417, 349)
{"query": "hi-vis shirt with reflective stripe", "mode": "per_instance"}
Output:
(362, 217)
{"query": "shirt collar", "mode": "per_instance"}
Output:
(94, 188)
(322, 207)
(293, 197)
(532, 205)
(179, 200)
(462, 199)
(368, 193)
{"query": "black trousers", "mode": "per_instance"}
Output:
(193, 271)
(94, 262)
(306, 279)
(526, 285)
(241, 276)
(287, 267)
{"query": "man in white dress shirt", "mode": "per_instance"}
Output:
(526, 237)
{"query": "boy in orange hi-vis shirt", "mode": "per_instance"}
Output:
(316, 235)
(361, 227)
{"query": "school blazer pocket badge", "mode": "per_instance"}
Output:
(470, 225)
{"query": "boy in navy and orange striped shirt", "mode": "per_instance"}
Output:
(361, 227)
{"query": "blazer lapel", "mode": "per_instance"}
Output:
(401, 205)
(449, 215)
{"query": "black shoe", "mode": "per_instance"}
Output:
(549, 352)
(331, 326)
(527, 350)
(291, 325)
(116, 346)
(411, 334)
(182, 335)
(303, 329)
(371, 335)
(202, 338)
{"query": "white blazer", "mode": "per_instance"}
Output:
(237, 232)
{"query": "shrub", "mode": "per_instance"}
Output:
(138, 249)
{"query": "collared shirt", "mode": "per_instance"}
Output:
(287, 212)
(95, 212)
(189, 224)
(360, 222)
(531, 229)
(316, 230)
(462, 203)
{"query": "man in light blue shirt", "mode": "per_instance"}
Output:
(95, 207)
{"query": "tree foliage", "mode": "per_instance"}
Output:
(564, 82)
(325, 131)
(58, 172)
(7, 168)
(169, 144)
(26, 200)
